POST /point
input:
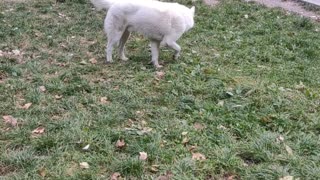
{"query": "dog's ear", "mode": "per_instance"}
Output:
(192, 9)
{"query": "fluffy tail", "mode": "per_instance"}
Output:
(102, 4)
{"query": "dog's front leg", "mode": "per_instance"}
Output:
(155, 48)
(109, 50)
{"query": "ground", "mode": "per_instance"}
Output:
(290, 6)
(242, 102)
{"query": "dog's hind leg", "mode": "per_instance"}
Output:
(176, 48)
(170, 41)
(155, 48)
(113, 39)
(123, 41)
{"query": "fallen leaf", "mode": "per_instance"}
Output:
(139, 113)
(221, 127)
(229, 176)
(104, 100)
(38, 131)
(300, 86)
(42, 88)
(288, 149)
(145, 130)
(192, 148)
(84, 165)
(10, 120)
(26, 106)
(185, 141)
(115, 176)
(280, 139)
(120, 144)
(154, 168)
(167, 176)
(159, 75)
(16, 52)
(198, 156)
(71, 169)
(220, 103)
(86, 147)
(83, 62)
(163, 177)
(229, 93)
(93, 61)
(184, 133)
(42, 172)
(58, 97)
(198, 126)
(143, 156)
(286, 178)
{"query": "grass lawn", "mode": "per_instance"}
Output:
(244, 96)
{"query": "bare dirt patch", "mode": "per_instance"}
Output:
(15, 1)
(5, 170)
(211, 2)
(289, 6)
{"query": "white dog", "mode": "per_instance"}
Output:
(162, 22)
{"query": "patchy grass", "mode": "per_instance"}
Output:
(248, 78)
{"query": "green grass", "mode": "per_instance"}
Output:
(237, 76)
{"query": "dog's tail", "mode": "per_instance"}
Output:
(102, 4)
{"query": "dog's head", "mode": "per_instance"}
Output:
(190, 18)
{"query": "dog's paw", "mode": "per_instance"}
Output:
(108, 62)
(175, 56)
(124, 59)
(158, 66)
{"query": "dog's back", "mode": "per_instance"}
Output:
(153, 19)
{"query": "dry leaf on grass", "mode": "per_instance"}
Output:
(280, 139)
(83, 62)
(198, 126)
(86, 147)
(154, 168)
(26, 106)
(286, 178)
(42, 88)
(115, 176)
(221, 127)
(38, 131)
(84, 165)
(120, 144)
(288, 149)
(192, 148)
(10, 120)
(104, 100)
(167, 176)
(229, 176)
(93, 61)
(16, 52)
(159, 75)
(185, 141)
(198, 156)
(58, 97)
(143, 156)
(300, 86)
(220, 103)
(42, 172)
(184, 133)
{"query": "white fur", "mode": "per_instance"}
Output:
(163, 23)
